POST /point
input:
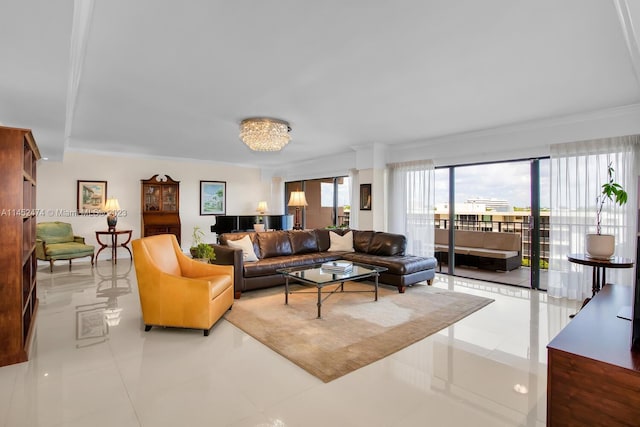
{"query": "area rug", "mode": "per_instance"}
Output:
(354, 330)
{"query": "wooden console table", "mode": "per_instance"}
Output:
(114, 243)
(593, 376)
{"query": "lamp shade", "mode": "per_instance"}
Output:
(262, 207)
(297, 199)
(112, 204)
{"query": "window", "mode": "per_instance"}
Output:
(328, 201)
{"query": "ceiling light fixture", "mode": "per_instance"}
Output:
(265, 134)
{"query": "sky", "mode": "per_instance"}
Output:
(508, 181)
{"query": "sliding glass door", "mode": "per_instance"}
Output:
(475, 201)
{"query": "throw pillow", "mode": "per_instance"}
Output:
(341, 243)
(248, 254)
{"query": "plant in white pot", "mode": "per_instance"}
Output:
(602, 246)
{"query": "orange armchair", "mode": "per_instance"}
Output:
(176, 290)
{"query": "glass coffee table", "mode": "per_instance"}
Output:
(319, 277)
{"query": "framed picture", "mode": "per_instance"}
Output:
(92, 196)
(365, 197)
(213, 197)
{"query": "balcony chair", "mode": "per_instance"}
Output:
(178, 291)
(55, 240)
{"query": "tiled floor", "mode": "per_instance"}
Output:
(83, 373)
(518, 277)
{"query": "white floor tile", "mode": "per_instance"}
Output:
(84, 371)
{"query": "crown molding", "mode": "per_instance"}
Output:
(530, 125)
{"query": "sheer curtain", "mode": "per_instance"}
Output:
(578, 170)
(411, 204)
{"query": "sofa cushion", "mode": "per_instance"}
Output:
(361, 240)
(440, 248)
(502, 241)
(54, 232)
(471, 239)
(226, 237)
(248, 254)
(341, 243)
(441, 236)
(493, 253)
(387, 244)
(274, 243)
(269, 266)
(68, 248)
(406, 264)
(322, 236)
(303, 242)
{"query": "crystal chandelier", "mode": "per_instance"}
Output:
(265, 134)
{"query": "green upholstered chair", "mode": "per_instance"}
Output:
(55, 240)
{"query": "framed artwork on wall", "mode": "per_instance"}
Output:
(91, 197)
(213, 197)
(365, 197)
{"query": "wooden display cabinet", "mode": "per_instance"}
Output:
(19, 303)
(160, 206)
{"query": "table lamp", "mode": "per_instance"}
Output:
(261, 209)
(112, 207)
(297, 200)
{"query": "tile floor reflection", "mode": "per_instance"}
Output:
(93, 364)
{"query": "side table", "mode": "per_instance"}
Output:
(600, 266)
(598, 280)
(114, 243)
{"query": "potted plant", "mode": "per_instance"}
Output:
(602, 246)
(204, 252)
(199, 249)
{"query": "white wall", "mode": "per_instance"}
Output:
(57, 188)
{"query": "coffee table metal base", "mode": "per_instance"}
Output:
(320, 286)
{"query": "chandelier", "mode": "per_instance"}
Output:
(265, 134)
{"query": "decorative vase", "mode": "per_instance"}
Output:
(600, 246)
(112, 221)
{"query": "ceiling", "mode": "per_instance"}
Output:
(174, 79)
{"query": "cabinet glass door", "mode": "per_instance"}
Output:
(151, 198)
(169, 198)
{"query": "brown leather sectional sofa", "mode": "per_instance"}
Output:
(297, 248)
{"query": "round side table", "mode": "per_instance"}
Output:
(113, 244)
(600, 266)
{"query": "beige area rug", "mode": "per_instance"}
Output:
(354, 330)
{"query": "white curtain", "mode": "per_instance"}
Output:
(412, 203)
(578, 170)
